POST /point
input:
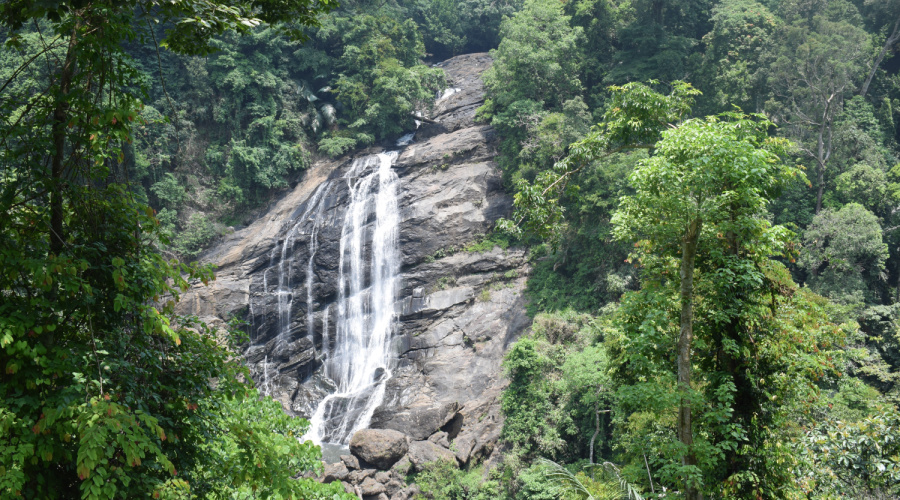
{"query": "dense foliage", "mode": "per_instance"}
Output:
(715, 293)
(684, 239)
(105, 391)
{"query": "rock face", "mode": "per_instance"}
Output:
(457, 311)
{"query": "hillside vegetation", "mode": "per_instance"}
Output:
(709, 191)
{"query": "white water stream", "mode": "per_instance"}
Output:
(360, 362)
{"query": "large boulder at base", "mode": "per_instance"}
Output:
(424, 452)
(417, 422)
(379, 447)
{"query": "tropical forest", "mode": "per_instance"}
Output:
(450, 249)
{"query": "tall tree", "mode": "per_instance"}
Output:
(709, 180)
(819, 63)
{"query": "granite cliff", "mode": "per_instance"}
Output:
(453, 312)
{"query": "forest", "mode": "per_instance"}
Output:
(708, 192)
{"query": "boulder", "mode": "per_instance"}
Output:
(440, 439)
(417, 422)
(392, 487)
(334, 472)
(382, 477)
(370, 486)
(410, 491)
(358, 476)
(350, 461)
(464, 445)
(424, 452)
(401, 468)
(379, 447)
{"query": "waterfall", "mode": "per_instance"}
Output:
(310, 271)
(360, 362)
(284, 292)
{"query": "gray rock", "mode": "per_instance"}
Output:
(425, 452)
(370, 486)
(459, 311)
(392, 487)
(410, 491)
(382, 477)
(440, 439)
(359, 476)
(350, 461)
(379, 447)
(463, 445)
(334, 472)
(417, 422)
(402, 467)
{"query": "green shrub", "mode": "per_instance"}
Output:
(443, 480)
(195, 236)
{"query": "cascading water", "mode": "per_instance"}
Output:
(285, 267)
(360, 362)
(310, 270)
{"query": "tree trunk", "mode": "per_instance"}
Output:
(823, 146)
(685, 339)
(596, 432)
(57, 166)
(891, 40)
(820, 179)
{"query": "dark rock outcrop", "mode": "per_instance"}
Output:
(334, 472)
(417, 422)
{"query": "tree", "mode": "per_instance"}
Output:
(537, 59)
(105, 391)
(535, 71)
(735, 55)
(709, 180)
(844, 254)
(882, 12)
(635, 116)
(379, 81)
(818, 64)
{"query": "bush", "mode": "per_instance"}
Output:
(336, 146)
(195, 236)
(443, 480)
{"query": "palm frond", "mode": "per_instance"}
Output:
(306, 92)
(566, 480)
(329, 113)
(631, 493)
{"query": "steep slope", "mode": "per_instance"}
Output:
(455, 312)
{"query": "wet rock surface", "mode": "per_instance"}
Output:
(458, 311)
